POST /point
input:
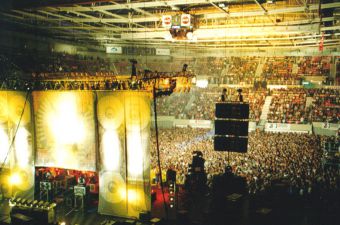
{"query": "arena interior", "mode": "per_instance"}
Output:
(109, 112)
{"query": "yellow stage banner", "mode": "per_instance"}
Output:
(124, 153)
(65, 129)
(16, 144)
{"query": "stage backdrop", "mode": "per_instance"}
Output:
(65, 129)
(104, 131)
(124, 156)
(16, 144)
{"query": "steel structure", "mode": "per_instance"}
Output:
(221, 23)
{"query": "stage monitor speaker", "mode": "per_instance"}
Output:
(128, 222)
(231, 144)
(109, 222)
(20, 219)
(231, 127)
(228, 110)
(145, 216)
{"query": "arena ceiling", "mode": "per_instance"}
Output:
(220, 23)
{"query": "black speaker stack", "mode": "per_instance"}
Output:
(231, 126)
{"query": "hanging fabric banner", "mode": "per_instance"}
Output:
(16, 145)
(65, 129)
(124, 134)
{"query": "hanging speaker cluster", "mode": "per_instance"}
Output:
(231, 126)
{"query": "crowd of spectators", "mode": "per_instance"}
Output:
(220, 70)
(173, 105)
(288, 106)
(63, 63)
(325, 106)
(95, 73)
(209, 66)
(271, 156)
(279, 70)
(240, 70)
(202, 107)
(314, 65)
(199, 104)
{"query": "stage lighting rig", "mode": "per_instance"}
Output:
(181, 26)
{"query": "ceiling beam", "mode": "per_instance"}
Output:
(113, 15)
(149, 29)
(63, 17)
(219, 8)
(247, 39)
(42, 18)
(261, 6)
(156, 18)
(22, 22)
(116, 18)
(272, 11)
(287, 23)
(119, 17)
(232, 32)
(135, 8)
(150, 4)
(107, 20)
(143, 12)
(92, 17)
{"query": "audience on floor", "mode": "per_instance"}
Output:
(297, 158)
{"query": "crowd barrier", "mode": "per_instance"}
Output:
(320, 128)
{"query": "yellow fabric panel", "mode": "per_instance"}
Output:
(65, 129)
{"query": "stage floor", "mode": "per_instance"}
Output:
(261, 210)
(68, 215)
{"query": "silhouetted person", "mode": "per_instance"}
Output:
(224, 95)
(134, 68)
(185, 66)
(240, 96)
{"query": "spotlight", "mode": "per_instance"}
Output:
(168, 37)
(202, 83)
(190, 35)
(166, 81)
(193, 80)
(15, 179)
(194, 39)
(62, 223)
